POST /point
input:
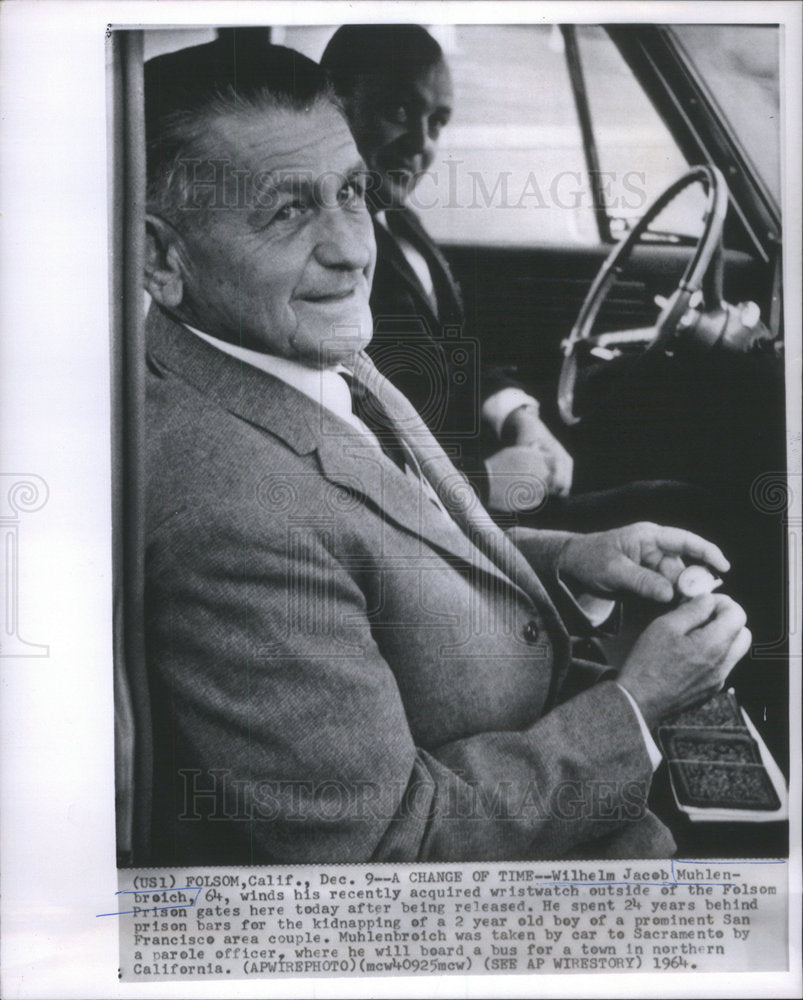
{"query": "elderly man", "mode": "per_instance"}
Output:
(348, 660)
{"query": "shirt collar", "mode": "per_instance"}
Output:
(323, 385)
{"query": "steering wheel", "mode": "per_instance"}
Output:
(703, 273)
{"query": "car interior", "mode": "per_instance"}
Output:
(609, 200)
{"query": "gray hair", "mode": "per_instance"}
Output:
(188, 92)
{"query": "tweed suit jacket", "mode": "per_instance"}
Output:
(340, 672)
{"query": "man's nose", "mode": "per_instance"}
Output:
(345, 239)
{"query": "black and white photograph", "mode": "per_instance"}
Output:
(452, 445)
(441, 546)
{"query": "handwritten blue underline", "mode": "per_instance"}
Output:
(142, 892)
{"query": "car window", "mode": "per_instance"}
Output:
(638, 157)
(309, 39)
(739, 64)
(511, 167)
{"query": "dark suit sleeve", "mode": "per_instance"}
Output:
(495, 378)
(269, 674)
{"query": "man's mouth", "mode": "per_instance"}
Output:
(323, 298)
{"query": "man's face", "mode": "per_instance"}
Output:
(284, 266)
(396, 122)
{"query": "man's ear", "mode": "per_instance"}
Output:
(164, 276)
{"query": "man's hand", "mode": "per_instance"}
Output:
(524, 428)
(643, 559)
(685, 656)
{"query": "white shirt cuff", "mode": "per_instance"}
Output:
(498, 407)
(595, 610)
(649, 742)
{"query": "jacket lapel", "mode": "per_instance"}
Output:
(406, 224)
(346, 457)
(455, 492)
(391, 256)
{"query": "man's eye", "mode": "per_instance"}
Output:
(292, 210)
(397, 113)
(352, 193)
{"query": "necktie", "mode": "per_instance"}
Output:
(367, 407)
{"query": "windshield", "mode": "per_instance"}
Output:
(739, 65)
